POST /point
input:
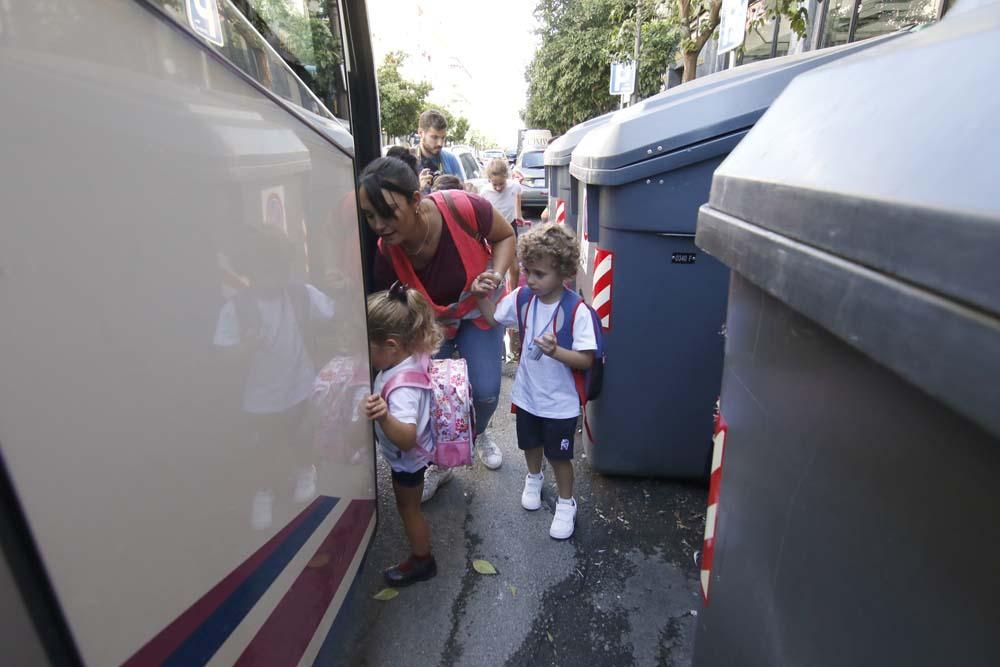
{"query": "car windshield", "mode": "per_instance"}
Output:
(533, 160)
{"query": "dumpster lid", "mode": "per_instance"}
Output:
(704, 109)
(877, 177)
(561, 149)
(896, 170)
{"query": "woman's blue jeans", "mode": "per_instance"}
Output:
(482, 350)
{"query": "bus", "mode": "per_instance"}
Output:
(185, 478)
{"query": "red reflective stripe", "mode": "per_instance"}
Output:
(286, 634)
(560, 211)
(602, 282)
(708, 549)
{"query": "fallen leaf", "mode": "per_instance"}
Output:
(513, 590)
(386, 594)
(549, 635)
(483, 567)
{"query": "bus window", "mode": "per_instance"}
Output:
(293, 49)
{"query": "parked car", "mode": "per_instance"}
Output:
(475, 174)
(493, 154)
(529, 170)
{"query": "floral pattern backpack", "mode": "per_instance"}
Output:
(453, 421)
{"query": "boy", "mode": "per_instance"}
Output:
(544, 395)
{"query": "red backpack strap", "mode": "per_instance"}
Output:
(461, 209)
(579, 377)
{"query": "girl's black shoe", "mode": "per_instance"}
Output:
(410, 571)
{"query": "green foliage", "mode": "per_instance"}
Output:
(568, 78)
(477, 139)
(458, 130)
(401, 101)
(660, 39)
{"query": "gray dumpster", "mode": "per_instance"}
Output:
(856, 517)
(662, 302)
(564, 195)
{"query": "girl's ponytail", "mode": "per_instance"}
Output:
(404, 314)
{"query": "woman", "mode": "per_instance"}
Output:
(419, 246)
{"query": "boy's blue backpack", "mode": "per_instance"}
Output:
(590, 381)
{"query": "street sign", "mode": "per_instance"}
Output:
(622, 78)
(732, 26)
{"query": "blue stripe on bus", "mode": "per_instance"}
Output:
(210, 635)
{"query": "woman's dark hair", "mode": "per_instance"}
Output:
(387, 173)
(403, 153)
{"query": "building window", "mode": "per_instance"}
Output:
(874, 18)
(880, 17)
(838, 22)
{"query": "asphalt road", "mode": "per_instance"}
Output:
(622, 591)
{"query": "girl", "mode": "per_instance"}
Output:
(505, 195)
(403, 333)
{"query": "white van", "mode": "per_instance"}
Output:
(534, 139)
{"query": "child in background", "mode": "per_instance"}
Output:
(403, 334)
(505, 195)
(544, 394)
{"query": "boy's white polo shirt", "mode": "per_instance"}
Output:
(545, 387)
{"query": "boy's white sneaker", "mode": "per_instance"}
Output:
(531, 497)
(434, 478)
(564, 520)
(489, 453)
(305, 484)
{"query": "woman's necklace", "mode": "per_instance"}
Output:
(423, 243)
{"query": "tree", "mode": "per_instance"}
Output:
(568, 78)
(401, 101)
(477, 139)
(660, 38)
(459, 130)
(699, 19)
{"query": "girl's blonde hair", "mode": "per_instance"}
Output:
(497, 167)
(550, 240)
(403, 313)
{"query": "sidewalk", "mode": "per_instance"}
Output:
(622, 591)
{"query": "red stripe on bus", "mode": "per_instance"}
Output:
(286, 634)
(164, 644)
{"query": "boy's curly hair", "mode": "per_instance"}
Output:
(550, 240)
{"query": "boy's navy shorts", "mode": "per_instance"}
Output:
(554, 435)
(409, 479)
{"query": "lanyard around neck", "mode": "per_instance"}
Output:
(534, 318)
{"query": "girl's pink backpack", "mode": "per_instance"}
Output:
(453, 421)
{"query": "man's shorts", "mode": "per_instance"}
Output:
(409, 479)
(554, 435)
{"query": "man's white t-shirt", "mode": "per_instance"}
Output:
(545, 387)
(281, 373)
(503, 201)
(409, 405)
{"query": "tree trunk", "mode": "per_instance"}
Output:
(690, 66)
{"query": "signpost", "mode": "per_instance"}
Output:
(732, 26)
(622, 80)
